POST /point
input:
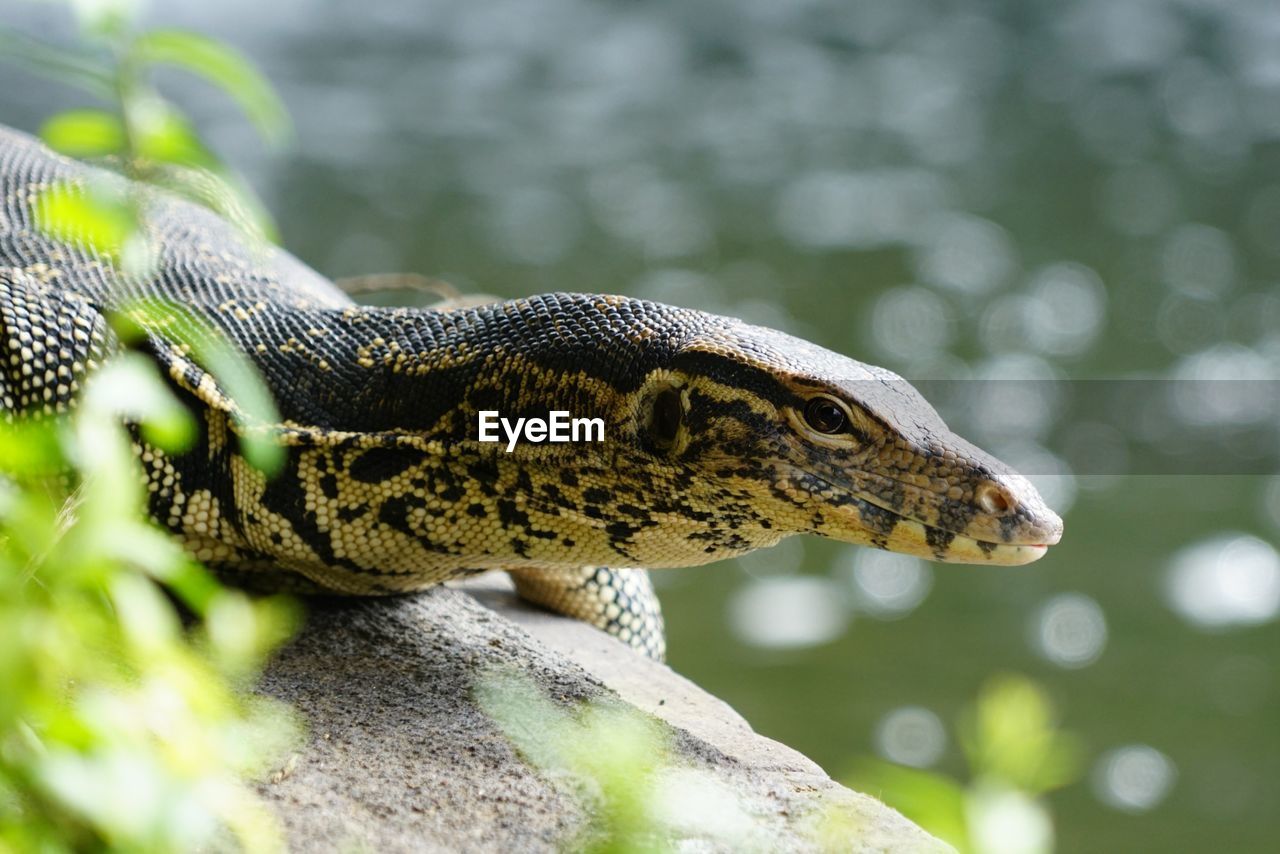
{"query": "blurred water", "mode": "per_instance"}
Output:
(911, 735)
(1069, 630)
(1134, 778)
(1038, 191)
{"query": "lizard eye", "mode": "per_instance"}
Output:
(825, 415)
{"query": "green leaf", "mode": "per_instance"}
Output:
(146, 617)
(245, 386)
(241, 631)
(129, 386)
(934, 802)
(192, 584)
(99, 220)
(85, 133)
(236, 375)
(1011, 735)
(161, 133)
(225, 68)
(29, 449)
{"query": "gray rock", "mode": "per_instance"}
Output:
(399, 757)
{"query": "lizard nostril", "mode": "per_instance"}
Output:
(993, 499)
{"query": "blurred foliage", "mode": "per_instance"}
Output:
(1010, 735)
(139, 131)
(1015, 753)
(127, 723)
(256, 414)
(153, 142)
(636, 793)
(119, 728)
(609, 758)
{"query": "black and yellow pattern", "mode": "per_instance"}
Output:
(720, 437)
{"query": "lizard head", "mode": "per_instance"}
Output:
(819, 443)
(718, 437)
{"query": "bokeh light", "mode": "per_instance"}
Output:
(1134, 778)
(965, 253)
(1008, 821)
(1017, 397)
(885, 585)
(1065, 309)
(861, 210)
(1225, 385)
(1198, 261)
(1069, 630)
(660, 218)
(911, 735)
(1048, 473)
(910, 323)
(788, 612)
(785, 558)
(1225, 581)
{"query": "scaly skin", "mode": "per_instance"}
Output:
(710, 448)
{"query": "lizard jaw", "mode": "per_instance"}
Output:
(925, 541)
(863, 520)
(905, 535)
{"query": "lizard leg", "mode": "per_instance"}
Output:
(620, 601)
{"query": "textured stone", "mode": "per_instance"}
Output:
(400, 758)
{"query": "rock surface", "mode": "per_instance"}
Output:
(399, 756)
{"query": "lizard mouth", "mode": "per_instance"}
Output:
(910, 536)
(870, 523)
